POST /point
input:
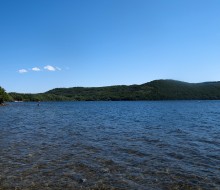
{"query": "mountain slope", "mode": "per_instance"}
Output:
(170, 89)
(154, 90)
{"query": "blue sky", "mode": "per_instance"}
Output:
(65, 43)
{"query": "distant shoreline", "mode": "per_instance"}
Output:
(198, 100)
(151, 91)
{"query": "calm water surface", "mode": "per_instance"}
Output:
(110, 145)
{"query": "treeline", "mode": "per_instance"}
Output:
(37, 97)
(155, 90)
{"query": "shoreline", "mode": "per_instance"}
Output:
(3, 104)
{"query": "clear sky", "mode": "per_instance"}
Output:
(65, 43)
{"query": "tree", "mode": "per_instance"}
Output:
(3, 95)
(1, 100)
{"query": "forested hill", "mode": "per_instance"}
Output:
(154, 90)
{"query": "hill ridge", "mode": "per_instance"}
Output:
(162, 89)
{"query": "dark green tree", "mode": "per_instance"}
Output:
(3, 96)
(1, 100)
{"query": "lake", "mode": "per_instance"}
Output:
(110, 145)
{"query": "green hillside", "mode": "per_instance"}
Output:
(154, 90)
(177, 90)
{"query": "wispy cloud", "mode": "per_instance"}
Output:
(21, 71)
(35, 69)
(50, 68)
(58, 68)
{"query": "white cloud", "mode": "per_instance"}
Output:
(22, 71)
(35, 69)
(50, 68)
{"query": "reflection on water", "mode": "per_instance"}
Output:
(110, 145)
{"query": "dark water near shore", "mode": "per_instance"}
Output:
(110, 145)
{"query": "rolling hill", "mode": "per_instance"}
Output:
(154, 90)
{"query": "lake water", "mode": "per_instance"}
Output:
(110, 145)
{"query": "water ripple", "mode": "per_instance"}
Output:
(110, 145)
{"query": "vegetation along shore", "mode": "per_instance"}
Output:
(154, 90)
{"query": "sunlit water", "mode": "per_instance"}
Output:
(110, 145)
